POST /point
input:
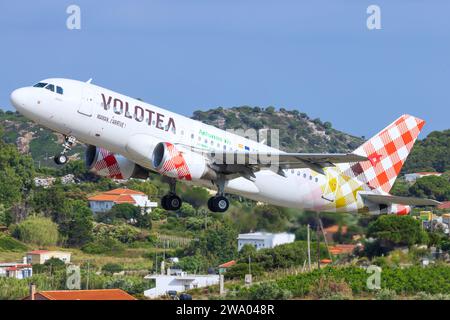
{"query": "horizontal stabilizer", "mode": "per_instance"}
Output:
(389, 199)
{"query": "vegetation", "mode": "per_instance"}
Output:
(38, 231)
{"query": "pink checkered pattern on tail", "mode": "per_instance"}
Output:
(387, 152)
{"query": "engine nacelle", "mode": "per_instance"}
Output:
(398, 209)
(115, 166)
(181, 164)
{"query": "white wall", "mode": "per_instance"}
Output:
(166, 283)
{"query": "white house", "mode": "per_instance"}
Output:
(16, 270)
(103, 202)
(179, 283)
(262, 240)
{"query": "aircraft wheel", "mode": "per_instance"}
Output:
(61, 159)
(171, 202)
(218, 204)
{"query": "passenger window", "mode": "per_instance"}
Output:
(50, 87)
(59, 90)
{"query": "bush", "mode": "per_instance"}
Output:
(121, 232)
(386, 294)
(132, 285)
(331, 289)
(268, 291)
(433, 279)
(238, 271)
(112, 268)
(103, 246)
(36, 230)
(8, 243)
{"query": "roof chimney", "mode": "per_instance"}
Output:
(32, 291)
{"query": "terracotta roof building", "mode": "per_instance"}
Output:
(41, 256)
(103, 202)
(224, 266)
(103, 294)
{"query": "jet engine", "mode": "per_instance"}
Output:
(107, 164)
(181, 163)
(398, 209)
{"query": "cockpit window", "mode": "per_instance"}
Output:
(50, 87)
(40, 85)
(59, 90)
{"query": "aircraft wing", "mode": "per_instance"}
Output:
(279, 161)
(389, 199)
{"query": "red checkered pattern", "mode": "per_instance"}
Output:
(174, 164)
(107, 165)
(400, 210)
(387, 151)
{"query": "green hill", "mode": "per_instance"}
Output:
(430, 154)
(298, 133)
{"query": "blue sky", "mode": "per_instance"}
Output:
(315, 56)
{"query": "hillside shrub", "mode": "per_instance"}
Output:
(37, 230)
(8, 243)
(104, 246)
(268, 291)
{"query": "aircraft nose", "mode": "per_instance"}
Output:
(18, 98)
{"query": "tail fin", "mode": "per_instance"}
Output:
(387, 152)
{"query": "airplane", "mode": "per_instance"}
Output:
(128, 138)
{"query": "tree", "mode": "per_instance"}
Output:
(128, 213)
(77, 223)
(112, 268)
(271, 218)
(217, 244)
(50, 202)
(393, 230)
(246, 251)
(16, 174)
(187, 210)
(37, 230)
(433, 187)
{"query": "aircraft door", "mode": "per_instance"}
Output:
(87, 102)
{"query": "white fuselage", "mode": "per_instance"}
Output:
(130, 127)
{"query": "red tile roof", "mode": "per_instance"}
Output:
(117, 196)
(228, 264)
(105, 294)
(123, 191)
(335, 228)
(444, 205)
(342, 249)
(38, 252)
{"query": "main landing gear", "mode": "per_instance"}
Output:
(171, 201)
(62, 158)
(219, 203)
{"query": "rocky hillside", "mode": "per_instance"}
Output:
(298, 133)
(31, 138)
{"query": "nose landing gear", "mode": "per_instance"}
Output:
(62, 158)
